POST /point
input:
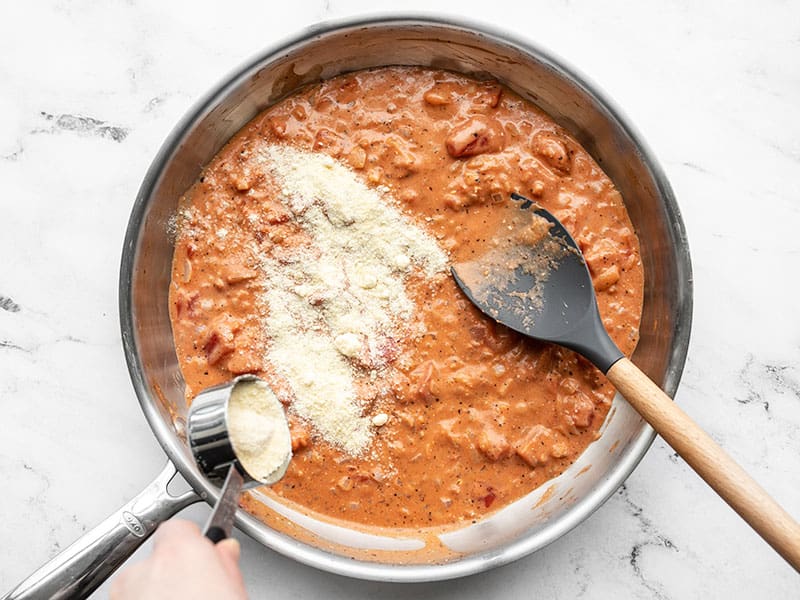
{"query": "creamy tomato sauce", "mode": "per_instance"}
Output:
(476, 415)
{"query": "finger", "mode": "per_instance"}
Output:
(229, 552)
(124, 583)
(118, 586)
(175, 530)
(230, 549)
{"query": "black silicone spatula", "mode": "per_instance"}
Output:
(555, 302)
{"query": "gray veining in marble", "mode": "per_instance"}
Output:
(90, 89)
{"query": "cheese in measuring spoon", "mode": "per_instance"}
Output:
(258, 431)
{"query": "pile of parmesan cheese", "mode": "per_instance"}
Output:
(336, 303)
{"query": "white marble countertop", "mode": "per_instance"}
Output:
(89, 91)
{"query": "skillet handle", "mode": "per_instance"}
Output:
(709, 460)
(80, 568)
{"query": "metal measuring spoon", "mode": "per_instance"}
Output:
(564, 311)
(208, 432)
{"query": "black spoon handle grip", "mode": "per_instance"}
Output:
(216, 534)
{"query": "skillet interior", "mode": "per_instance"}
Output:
(324, 52)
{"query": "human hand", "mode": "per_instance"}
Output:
(184, 564)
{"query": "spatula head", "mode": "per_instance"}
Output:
(536, 282)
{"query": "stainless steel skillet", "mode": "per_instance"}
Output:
(322, 52)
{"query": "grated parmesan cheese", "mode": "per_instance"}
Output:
(348, 344)
(259, 431)
(336, 304)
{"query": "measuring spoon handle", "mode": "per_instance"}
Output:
(220, 521)
(709, 460)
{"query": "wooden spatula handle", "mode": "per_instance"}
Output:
(709, 460)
